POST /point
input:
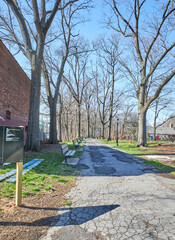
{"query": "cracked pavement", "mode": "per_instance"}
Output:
(116, 197)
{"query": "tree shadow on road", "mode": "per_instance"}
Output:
(71, 216)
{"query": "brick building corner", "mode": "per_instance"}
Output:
(14, 91)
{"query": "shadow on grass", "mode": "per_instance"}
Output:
(159, 165)
(152, 154)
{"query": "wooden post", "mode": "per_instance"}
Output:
(19, 167)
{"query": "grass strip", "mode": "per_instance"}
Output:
(43, 177)
(132, 149)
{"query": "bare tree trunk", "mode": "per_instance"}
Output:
(142, 110)
(60, 128)
(88, 122)
(92, 126)
(103, 130)
(76, 121)
(145, 135)
(129, 26)
(79, 120)
(111, 105)
(67, 127)
(123, 128)
(35, 56)
(142, 129)
(71, 128)
(53, 126)
(33, 132)
(32, 141)
(60, 119)
(88, 132)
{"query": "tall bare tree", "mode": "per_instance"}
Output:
(89, 96)
(107, 49)
(127, 109)
(70, 17)
(28, 24)
(131, 20)
(69, 116)
(77, 80)
(103, 84)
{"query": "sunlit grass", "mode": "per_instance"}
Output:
(68, 203)
(47, 188)
(157, 164)
(42, 177)
(63, 180)
(128, 147)
(131, 148)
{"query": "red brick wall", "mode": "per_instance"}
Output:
(14, 90)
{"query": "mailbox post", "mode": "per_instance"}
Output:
(12, 151)
(19, 167)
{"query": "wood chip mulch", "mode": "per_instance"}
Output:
(34, 217)
(37, 213)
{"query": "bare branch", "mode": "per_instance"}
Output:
(159, 125)
(27, 42)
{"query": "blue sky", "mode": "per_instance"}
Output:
(90, 30)
(93, 28)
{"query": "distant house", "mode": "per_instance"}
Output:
(14, 91)
(170, 123)
(162, 133)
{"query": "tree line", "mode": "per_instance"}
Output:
(85, 85)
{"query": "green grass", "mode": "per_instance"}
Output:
(35, 189)
(54, 176)
(68, 203)
(50, 171)
(63, 180)
(7, 194)
(78, 154)
(8, 190)
(160, 166)
(25, 194)
(47, 188)
(138, 151)
(129, 148)
(2, 171)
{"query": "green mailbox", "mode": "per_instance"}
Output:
(11, 144)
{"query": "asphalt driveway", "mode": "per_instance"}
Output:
(116, 197)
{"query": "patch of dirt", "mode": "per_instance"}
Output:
(167, 175)
(34, 217)
(37, 213)
(164, 153)
(50, 147)
(45, 148)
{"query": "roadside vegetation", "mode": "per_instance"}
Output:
(140, 152)
(44, 176)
